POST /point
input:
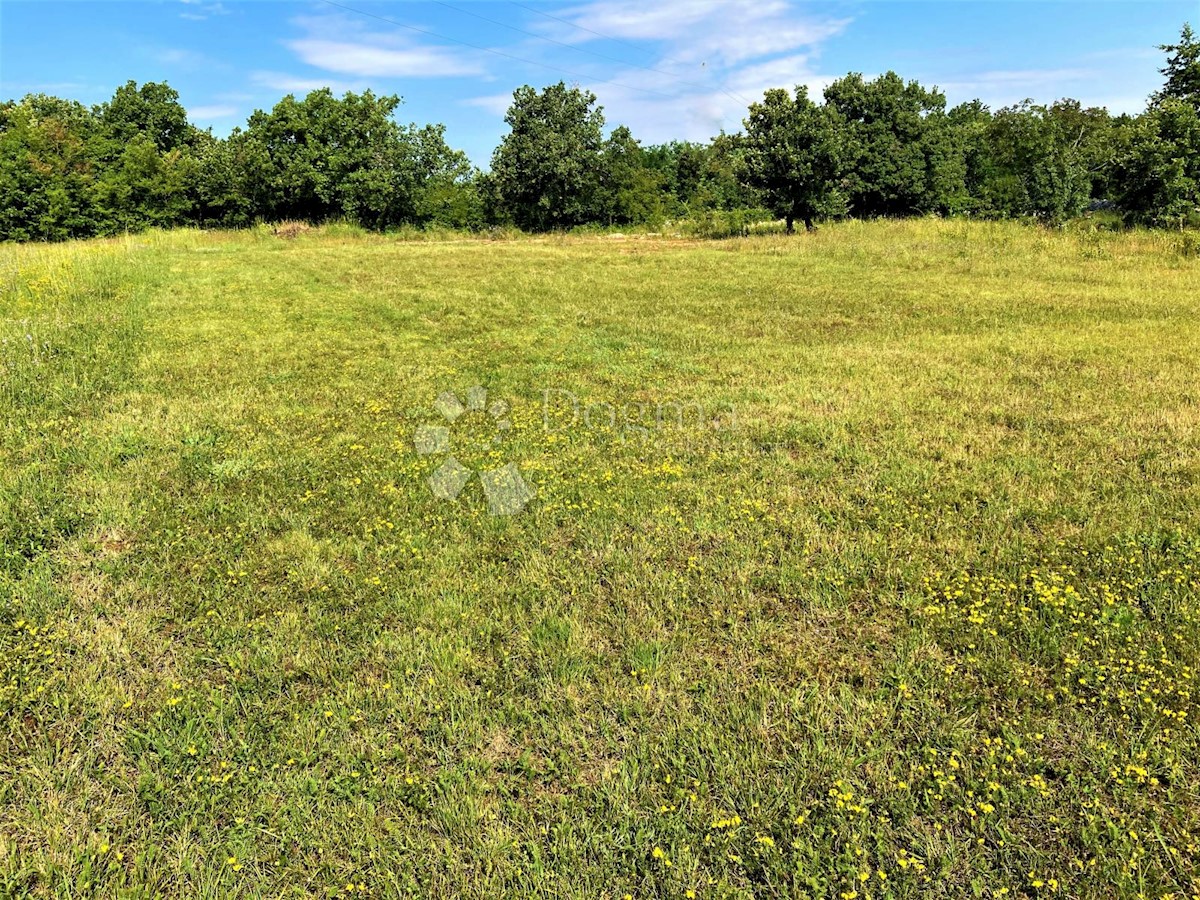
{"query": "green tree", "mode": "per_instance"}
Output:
(47, 169)
(152, 111)
(793, 155)
(443, 189)
(134, 161)
(325, 157)
(143, 187)
(695, 178)
(722, 182)
(680, 168)
(547, 169)
(630, 190)
(1182, 70)
(1092, 134)
(1158, 175)
(303, 152)
(971, 124)
(1037, 169)
(1034, 161)
(141, 143)
(900, 154)
(221, 186)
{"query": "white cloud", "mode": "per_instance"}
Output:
(347, 46)
(71, 88)
(720, 32)
(785, 72)
(497, 104)
(211, 113)
(692, 116)
(1117, 103)
(1014, 81)
(297, 84)
(635, 20)
(176, 56)
(374, 60)
(710, 59)
(199, 10)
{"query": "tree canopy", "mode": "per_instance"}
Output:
(794, 155)
(900, 154)
(547, 168)
(1182, 71)
(879, 147)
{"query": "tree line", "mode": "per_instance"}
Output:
(867, 148)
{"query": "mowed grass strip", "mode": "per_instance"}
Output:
(861, 564)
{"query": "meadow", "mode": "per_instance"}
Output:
(860, 564)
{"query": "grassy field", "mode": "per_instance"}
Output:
(860, 564)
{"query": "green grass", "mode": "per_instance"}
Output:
(906, 604)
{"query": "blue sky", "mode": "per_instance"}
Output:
(667, 68)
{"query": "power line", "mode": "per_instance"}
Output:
(531, 62)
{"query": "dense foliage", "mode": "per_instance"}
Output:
(901, 155)
(884, 147)
(794, 154)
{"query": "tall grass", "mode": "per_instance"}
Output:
(899, 597)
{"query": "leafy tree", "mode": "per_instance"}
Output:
(881, 147)
(680, 168)
(325, 157)
(722, 182)
(793, 155)
(445, 190)
(47, 169)
(1182, 70)
(698, 177)
(1043, 162)
(630, 190)
(547, 169)
(1092, 134)
(143, 187)
(152, 111)
(133, 162)
(141, 144)
(303, 152)
(1158, 175)
(221, 187)
(900, 154)
(1036, 167)
(971, 124)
